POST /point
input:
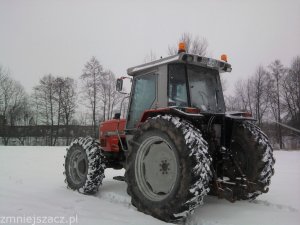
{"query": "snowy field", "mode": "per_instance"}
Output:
(32, 190)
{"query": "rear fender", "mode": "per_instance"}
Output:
(171, 110)
(231, 121)
(239, 116)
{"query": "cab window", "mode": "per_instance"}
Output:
(177, 94)
(143, 97)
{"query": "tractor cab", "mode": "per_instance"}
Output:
(185, 82)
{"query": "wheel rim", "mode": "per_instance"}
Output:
(156, 168)
(78, 166)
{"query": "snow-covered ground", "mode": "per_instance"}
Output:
(32, 190)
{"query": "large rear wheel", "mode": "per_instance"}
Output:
(168, 168)
(254, 155)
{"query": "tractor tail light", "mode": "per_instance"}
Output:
(247, 114)
(192, 110)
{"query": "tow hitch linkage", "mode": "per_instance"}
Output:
(226, 187)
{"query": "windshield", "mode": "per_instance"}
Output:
(205, 90)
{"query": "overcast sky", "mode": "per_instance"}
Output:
(59, 37)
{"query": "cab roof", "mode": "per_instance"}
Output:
(183, 57)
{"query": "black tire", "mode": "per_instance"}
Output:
(193, 168)
(254, 155)
(84, 167)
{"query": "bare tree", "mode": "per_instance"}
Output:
(99, 91)
(276, 73)
(6, 88)
(242, 98)
(251, 95)
(231, 103)
(103, 93)
(109, 96)
(3, 76)
(241, 91)
(68, 101)
(291, 92)
(54, 102)
(193, 44)
(45, 98)
(12, 99)
(14, 109)
(34, 105)
(92, 79)
(259, 86)
(18, 107)
(59, 85)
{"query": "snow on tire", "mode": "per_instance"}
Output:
(255, 146)
(168, 168)
(84, 167)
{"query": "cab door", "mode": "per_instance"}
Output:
(143, 97)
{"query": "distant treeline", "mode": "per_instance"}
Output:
(58, 106)
(63, 135)
(272, 95)
(43, 134)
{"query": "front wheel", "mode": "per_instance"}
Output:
(84, 168)
(168, 168)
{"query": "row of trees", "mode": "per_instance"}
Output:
(58, 101)
(272, 94)
(54, 102)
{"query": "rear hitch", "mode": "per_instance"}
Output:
(220, 190)
(226, 193)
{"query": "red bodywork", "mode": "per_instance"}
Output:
(108, 130)
(108, 134)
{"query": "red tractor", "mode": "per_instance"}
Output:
(178, 143)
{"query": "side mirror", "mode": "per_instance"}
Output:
(119, 84)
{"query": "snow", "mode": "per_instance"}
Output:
(31, 184)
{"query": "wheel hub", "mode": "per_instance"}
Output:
(156, 168)
(164, 167)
